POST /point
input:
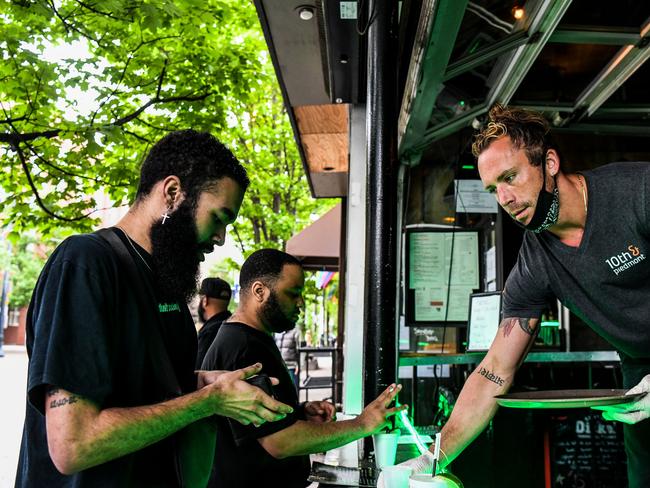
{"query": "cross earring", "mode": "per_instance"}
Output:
(166, 215)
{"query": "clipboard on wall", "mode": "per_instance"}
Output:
(484, 318)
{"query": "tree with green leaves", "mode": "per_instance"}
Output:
(87, 86)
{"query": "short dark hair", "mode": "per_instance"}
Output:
(264, 265)
(528, 130)
(198, 159)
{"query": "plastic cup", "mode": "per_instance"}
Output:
(396, 476)
(385, 448)
(428, 481)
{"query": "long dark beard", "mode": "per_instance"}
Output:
(175, 253)
(273, 317)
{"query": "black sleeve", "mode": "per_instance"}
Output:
(525, 293)
(69, 314)
(231, 355)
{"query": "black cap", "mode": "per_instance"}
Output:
(215, 288)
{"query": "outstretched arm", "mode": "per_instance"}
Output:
(81, 435)
(305, 437)
(476, 405)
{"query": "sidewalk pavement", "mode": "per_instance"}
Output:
(13, 378)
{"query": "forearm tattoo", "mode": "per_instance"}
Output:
(508, 324)
(490, 376)
(60, 402)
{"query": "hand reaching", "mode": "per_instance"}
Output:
(633, 412)
(377, 415)
(232, 397)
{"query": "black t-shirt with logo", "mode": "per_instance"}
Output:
(240, 461)
(606, 280)
(84, 335)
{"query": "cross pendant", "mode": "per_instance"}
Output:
(164, 217)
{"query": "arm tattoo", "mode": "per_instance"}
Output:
(508, 324)
(490, 376)
(60, 402)
(525, 326)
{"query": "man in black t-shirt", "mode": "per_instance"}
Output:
(112, 399)
(587, 242)
(214, 297)
(277, 454)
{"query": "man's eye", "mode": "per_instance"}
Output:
(509, 178)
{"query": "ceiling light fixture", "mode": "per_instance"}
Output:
(518, 12)
(305, 12)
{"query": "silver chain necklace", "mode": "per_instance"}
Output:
(135, 249)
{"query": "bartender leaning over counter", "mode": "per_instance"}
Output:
(588, 235)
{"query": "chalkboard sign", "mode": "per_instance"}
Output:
(586, 452)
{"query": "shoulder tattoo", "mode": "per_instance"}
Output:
(508, 324)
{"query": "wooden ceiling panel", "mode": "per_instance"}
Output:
(319, 119)
(326, 152)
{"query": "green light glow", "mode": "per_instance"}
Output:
(468, 166)
(550, 323)
(406, 421)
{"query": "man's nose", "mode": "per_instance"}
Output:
(219, 238)
(504, 196)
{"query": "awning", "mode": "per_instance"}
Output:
(317, 246)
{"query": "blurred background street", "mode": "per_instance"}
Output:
(13, 378)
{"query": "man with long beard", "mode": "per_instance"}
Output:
(112, 394)
(271, 284)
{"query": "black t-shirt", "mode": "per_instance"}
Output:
(207, 334)
(240, 461)
(606, 280)
(84, 335)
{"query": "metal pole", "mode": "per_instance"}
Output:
(381, 238)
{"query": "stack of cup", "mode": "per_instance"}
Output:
(385, 448)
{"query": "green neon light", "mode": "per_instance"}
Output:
(550, 323)
(406, 421)
(468, 166)
(423, 344)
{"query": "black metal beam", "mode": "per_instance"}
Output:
(381, 131)
(492, 51)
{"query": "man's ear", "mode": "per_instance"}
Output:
(552, 162)
(204, 301)
(172, 193)
(260, 292)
